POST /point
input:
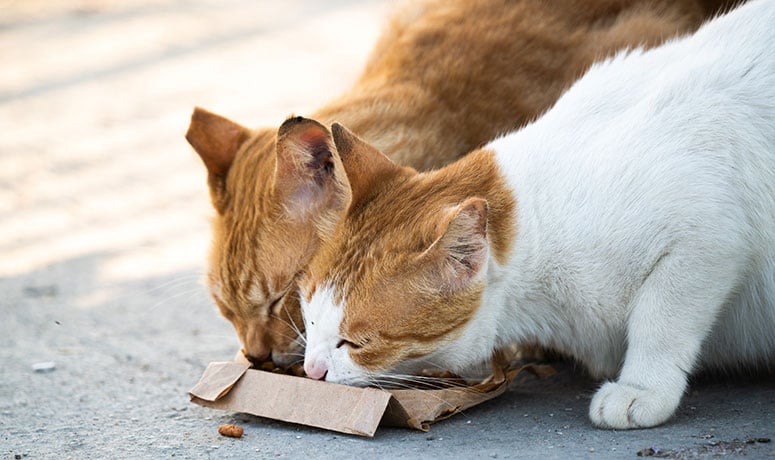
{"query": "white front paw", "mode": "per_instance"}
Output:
(622, 406)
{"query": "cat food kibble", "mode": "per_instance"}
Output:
(268, 366)
(297, 370)
(232, 431)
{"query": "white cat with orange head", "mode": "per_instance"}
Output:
(631, 227)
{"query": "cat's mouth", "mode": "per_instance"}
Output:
(279, 364)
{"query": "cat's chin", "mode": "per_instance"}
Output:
(350, 378)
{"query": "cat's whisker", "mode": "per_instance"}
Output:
(175, 282)
(376, 384)
(392, 384)
(287, 336)
(474, 372)
(296, 328)
(428, 382)
(295, 354)
(299, 335)
(298, 361)
(364, 381)
(187, 281)
(387, 385)
(189, 294)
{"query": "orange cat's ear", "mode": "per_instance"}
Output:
(365, 164)
(460, 252)
(309, 175)
(216, 139)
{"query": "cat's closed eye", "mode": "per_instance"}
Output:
(275, 303)
(352, 345)
(257, 310)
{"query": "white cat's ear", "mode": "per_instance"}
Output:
(364, 164)
(216, 139)
(309, 175)
(461, 251)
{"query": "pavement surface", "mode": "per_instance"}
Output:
(104, 320)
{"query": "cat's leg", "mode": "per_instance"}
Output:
(672, 313)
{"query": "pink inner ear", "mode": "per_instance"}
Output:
(314, 136)
(464, 243)
(306, 166)
(320, 161)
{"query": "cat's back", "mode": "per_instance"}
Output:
(722, 75)
(669, 148)
(508, 59)
(696, 112)
(702, 122)
(708, 112)
(728, 63)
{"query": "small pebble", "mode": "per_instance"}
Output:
(43, 367)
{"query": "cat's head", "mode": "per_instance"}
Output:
(398, 285)
(274, 192)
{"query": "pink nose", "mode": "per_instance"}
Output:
(315, 369)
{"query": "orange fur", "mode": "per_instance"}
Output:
(427, 224)
(446, 77)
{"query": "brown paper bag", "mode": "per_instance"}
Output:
(233, 386)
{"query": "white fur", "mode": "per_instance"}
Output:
(322, 317)
(646, 223)
(646, 209)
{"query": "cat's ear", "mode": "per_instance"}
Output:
(309, 177)
(216, 139)
(461, 250)
(364, 164)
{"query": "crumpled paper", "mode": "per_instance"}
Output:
(233, 386)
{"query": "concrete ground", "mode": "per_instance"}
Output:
(104, 321)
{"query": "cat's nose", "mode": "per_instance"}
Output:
(256, 359)
(315, 369)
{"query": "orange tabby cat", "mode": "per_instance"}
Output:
(445, 77)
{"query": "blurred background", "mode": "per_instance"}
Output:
(95, 97)
(104, 209)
